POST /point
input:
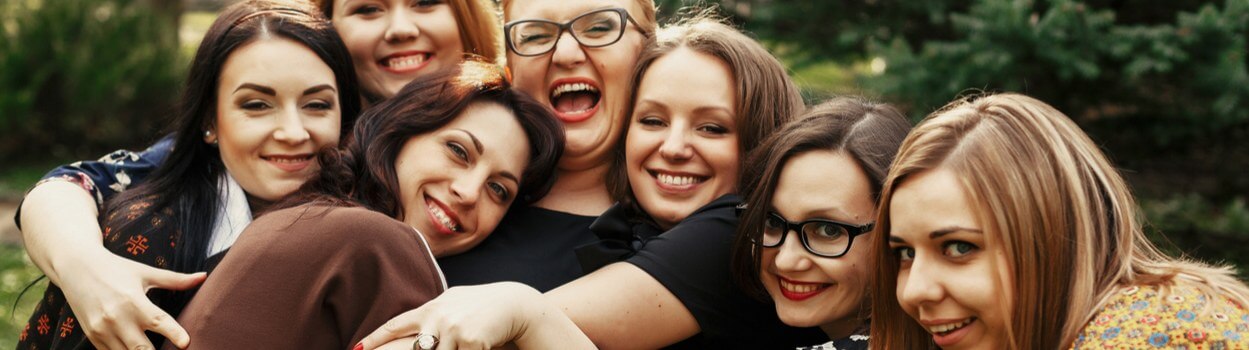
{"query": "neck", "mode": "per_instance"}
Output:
(257, 205)
(580, 192)
(842, 328)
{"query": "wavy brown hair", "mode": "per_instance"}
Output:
(363, 172)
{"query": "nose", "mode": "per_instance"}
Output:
(676, 146)
(467, 188)
(568, 52)
(919, 285)
(401, 27)
(290, 128)
(791, 255)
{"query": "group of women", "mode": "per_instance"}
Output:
(335, 166)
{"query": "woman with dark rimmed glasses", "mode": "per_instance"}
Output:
(575, 58)
(805, 235)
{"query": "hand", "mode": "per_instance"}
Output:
(108, 295)
(472, 317)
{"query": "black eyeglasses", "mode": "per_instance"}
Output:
(826, 238)
(533, 37)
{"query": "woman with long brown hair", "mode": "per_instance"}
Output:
(1009, 229)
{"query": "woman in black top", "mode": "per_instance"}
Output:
(805, 239)
(668, 242)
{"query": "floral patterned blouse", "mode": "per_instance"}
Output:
(1143, 317)
(112, 173)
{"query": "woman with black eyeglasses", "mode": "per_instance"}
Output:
(574, 57)
(805, 235)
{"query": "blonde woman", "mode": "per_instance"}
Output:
(1007, 228)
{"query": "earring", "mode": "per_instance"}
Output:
(208, 137)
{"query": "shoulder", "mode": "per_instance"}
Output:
(1174, 316)
(334, 223)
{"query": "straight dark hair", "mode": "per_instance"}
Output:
(870, 133)
(186, 184)
(363, 172)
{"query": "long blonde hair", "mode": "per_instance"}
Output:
(1064, 217)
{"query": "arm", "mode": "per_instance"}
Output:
(63, 239)
(613, 316)
(482, 317)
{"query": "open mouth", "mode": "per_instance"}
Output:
(798, 291)
(677, 181)
(445, 222)
(943, 330)
(575, 100)
(405, 61)
(294, 162)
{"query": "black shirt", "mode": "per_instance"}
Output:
(692, 261)
(531, 245)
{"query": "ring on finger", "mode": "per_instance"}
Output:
(425, 341)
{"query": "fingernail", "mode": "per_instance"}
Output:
(359, 346)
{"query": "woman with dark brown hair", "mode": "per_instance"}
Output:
(804, 242)
(423, 175)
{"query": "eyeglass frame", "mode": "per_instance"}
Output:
(567, 27)
(851, 231)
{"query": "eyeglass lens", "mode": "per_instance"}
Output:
(822, 237)
(595, 29)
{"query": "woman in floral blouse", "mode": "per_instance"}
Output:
(1004, 226)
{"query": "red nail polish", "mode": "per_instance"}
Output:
(359, 346)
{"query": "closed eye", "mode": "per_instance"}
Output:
(365, 10)
(319, 105)
(713, 129)
(652, 121)
(255, 105)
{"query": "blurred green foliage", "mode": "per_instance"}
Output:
(78, 77)
(1191, 225)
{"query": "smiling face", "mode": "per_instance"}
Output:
(394, 41)
(681, 149)
(277, 104)
(456, 182)
(810, 290)
(588, 88)
(951, 279)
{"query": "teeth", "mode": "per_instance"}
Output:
(566, 88)
(949, 326)
(287, 159)
(800, 288)
(675, 180)
(405, 61)
(443, 218)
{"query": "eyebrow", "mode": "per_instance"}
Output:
(952, 229)
(319, 88)
(262, 89)
(476, 143)
(939, 233)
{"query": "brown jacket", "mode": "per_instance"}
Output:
(312, 277)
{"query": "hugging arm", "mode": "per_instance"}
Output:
(61, 233)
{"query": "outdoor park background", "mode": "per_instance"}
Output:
(1163, 86)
